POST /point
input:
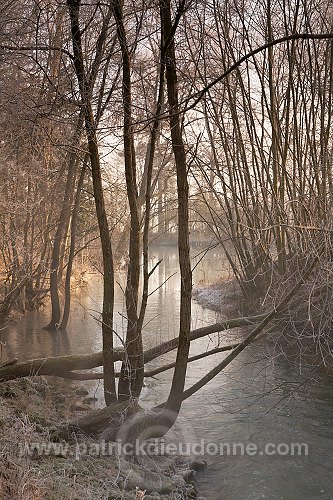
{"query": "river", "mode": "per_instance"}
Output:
(259, 399)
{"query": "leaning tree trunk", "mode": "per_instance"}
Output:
(66, 366)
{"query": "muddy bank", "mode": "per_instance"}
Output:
(33, 467)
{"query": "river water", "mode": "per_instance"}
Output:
(260, 399)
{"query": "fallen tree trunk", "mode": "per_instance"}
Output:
(151, 373)
(52, 365)
(131, 425)
(157, 421)
(63, 365)
(169, 345)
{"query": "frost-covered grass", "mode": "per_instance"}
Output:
(222, 296)
(30, 410)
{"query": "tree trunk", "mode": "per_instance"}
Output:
(178, 381)
(90, 125)
(62, 223)
(67, 301)
(131, 379)
(61, 365)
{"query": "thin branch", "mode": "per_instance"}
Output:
(26, 48)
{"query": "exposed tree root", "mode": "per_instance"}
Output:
(109, 418)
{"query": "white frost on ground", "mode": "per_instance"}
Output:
(221, 296)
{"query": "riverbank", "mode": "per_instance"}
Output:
(32, 467)
(283, 338)
(224, 297)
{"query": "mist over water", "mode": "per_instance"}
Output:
(258, 399)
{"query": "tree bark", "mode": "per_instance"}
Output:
(64, 364)
(62, 223)
(90, 126)
(178, 381)
(131, 379)
(67, 301)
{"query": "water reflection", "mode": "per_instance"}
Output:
(258, 398)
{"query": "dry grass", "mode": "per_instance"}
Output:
(29, 412)
(30, 409)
